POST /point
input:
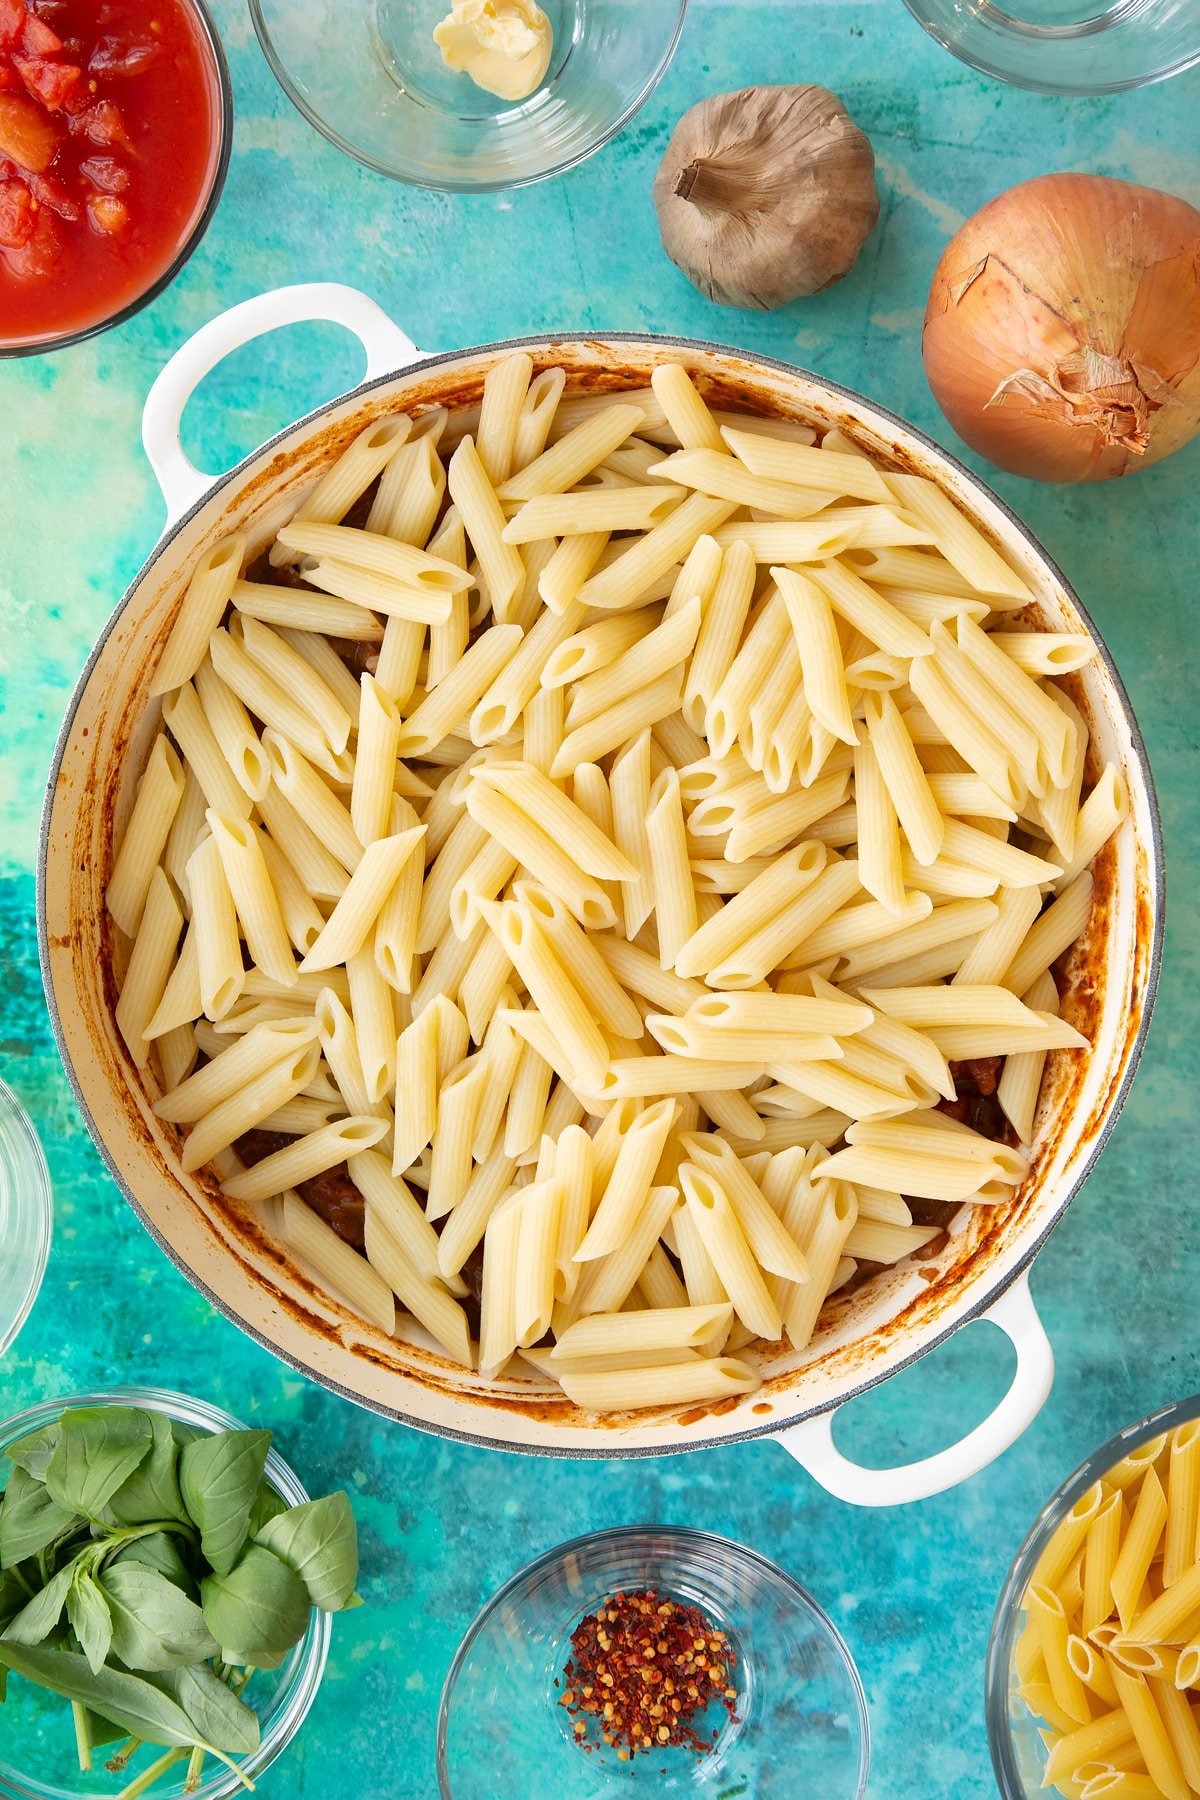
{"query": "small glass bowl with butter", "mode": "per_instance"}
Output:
(469, 95)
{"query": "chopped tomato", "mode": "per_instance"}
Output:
(12, 18)
(107, 213)
(8, 77)
(26, 134)
(105, 173)
(50, 82)
(102, 124)
(16, 215)
(113, 57)
(40, 255)
(38, 38)
(49, 191)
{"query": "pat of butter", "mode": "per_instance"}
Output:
(503, 45)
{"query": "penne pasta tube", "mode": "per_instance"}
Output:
(307, 1156)
(686, 413)
(180, 1003)
(245, 869)
(624, 581)
(1150, 1733)
(154, 954)
(764, 949)
(1047, 1615)
(200, 612)
(959, 541)
(537, 1244)
(159, 794)
(1088, 1742)
(629, 787)
(504, 393)
(604, 509)
(374, 763)
(660, 1328)
(577, 452)
(188, 724)
(519, 680)
(607, 1283)
(549, 985)
(706, 1378)
(458, 1105)
(377, 554)
(628, 1186)
(253, 1101)
(671, 877)
(711, 1211)
(548, 861)
(884, 1242)
(617, 724)
(452, 700)
(541, 800)
(358, 909)
(530, 1093)
(319, 808)
(336, 1265)
(1045, 652)
(929, 1175)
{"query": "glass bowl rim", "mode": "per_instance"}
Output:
(1008, 1606)
(994, 68)
(694, 1538)
(67, 339)
(35, 1209)
(313, 1646)
(451, 185)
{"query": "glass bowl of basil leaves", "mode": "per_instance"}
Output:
(156, 1559)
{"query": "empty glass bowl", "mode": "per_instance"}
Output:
(26, 1214)
(1068, 46)
(1018, 1754)
(800, 1722)
(37, 1747)
(371, 78)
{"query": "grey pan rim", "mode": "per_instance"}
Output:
(541, 341)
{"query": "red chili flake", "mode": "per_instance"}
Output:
(644, 1668)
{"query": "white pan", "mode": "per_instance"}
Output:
(864, 1336)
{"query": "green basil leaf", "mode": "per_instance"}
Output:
(268, 1502)
(152, 1491)
(219, 1478)
(13, 1595)
(38, 1617)
(154, 1626)
(102, 1730)
(318, 1542)
(220, 1718)
(90, 1618)
(98, 1448)
(259, 1609)
(139, 1708)
(29, 1519)
(159, 1551)
(33, 1453)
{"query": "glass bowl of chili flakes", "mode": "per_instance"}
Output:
(655, 1652)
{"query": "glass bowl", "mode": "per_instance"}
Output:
(1018, 1755)
(37, 1725)
(26, 1215)
(1067, 46)
(801, 1717)
(371, 78)
(205, 208)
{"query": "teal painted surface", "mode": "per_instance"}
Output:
(442, 1525)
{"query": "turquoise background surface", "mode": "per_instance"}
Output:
(441, 1525)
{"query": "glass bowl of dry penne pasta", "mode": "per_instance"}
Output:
(598, 896)
(26, 1215)
(1093, 1679)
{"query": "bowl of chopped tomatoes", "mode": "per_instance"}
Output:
(115, 128)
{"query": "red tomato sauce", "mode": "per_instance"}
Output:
(110, 125)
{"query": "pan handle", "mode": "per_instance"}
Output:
(387, 348)
(811, 1442)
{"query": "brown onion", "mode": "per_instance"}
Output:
(1062, 336)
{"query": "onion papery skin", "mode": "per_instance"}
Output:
(1062, 335)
